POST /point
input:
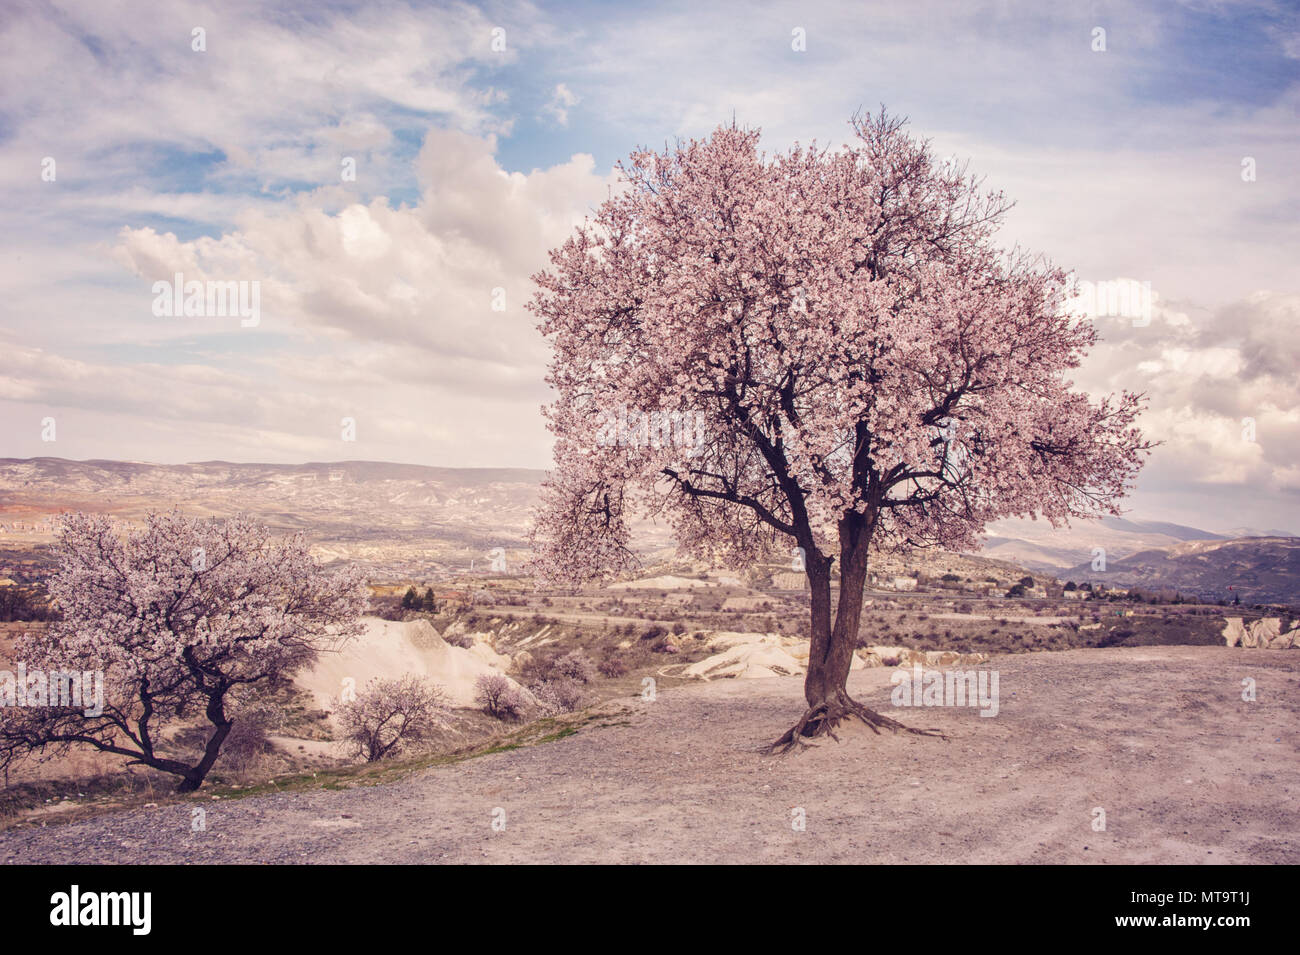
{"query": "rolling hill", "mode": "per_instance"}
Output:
(1038, 546)
(1259, 569)
(398, 518)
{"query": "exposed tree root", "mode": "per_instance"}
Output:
(822, 719)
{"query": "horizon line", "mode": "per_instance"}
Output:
(273, 464)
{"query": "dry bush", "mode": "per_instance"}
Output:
(574, 665)
(558, 695)
(390, 715)
(498, 697)
(612, 667)
(248, 742)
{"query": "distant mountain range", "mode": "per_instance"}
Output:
(1260, 565)
(401, 518)
(1258, 569)
(406, 519)
(1038, 546)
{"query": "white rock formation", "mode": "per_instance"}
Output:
(389, 649)
(1266, 633)
(1234, 633)
(759, 655)
(906, 657)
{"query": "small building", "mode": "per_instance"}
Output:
(453, 598)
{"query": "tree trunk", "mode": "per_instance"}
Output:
(830, 650)
(830, 658)
(818, 569)
(216, 713)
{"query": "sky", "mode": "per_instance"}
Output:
(391, 175)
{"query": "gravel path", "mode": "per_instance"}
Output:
(1158, 737)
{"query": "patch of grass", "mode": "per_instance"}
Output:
(552, 737)
(546, 730)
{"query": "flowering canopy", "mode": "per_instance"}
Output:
(848, 341)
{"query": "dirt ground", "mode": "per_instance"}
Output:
(1158, 737)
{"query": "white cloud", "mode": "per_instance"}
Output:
(388, 309)
(1224, 398)
(422, 275)
(561, 101)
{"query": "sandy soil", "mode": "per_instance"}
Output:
(1159, 737)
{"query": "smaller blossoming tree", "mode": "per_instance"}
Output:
(391, 715)
(181, 616)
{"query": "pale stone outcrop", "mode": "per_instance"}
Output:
(1234, 632)
(906, 657)
(868, 658)
(1266, 633)
(390, 649)
(756, 655)
(483, 649)
(1285, 639)
(751, 656)
(1263, 631)
(748, 656)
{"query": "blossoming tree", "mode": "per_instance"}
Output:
(390, 715)
(864, 368)
(181, 616)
